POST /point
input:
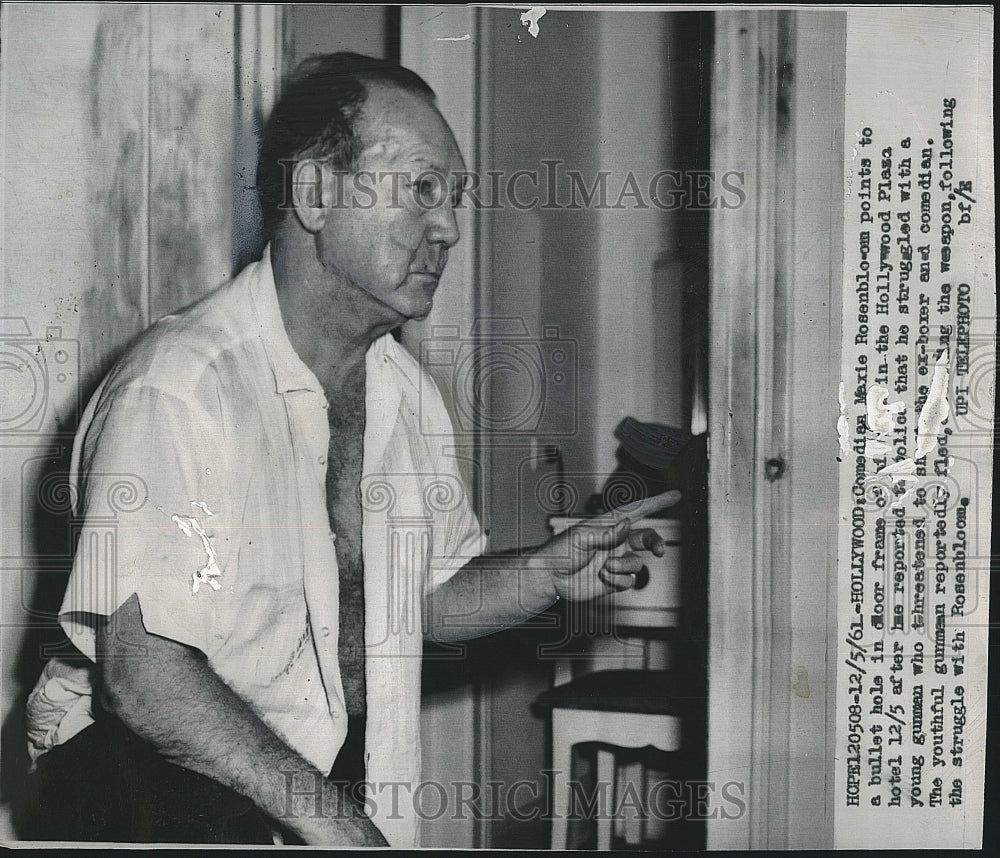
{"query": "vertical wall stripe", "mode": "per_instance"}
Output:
(146, 294)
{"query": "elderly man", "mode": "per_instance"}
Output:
(255, 628)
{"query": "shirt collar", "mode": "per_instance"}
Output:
(290, 371)
(387, 352)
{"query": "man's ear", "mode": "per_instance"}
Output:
(312, 193)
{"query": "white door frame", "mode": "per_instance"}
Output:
(774, 368)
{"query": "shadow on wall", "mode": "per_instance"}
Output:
(47, 555)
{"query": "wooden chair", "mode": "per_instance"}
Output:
(617, 708)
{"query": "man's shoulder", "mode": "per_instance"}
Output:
(176, 353)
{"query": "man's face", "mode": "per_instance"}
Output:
(392, 240)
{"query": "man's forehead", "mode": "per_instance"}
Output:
(397, 124)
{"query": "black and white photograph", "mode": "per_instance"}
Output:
(497, 427)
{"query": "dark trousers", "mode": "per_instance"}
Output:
(107, 784)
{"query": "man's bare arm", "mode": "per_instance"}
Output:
(167, 694)
(491, 593)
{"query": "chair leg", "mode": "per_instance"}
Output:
(644, 796)
(619, 827)
(633, 773)
(562, 762)
(605, 809)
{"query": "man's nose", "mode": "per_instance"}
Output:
(443, 226)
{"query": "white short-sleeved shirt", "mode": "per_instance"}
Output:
(201, 470)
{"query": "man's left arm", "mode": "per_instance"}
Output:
(493, 592)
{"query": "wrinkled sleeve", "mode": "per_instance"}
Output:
(458, 536)
(154, 520)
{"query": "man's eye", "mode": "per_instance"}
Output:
(427, 191)
(430, 191)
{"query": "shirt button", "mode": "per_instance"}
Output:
(322, 460)
(325, 631)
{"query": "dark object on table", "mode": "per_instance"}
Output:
(653, 458)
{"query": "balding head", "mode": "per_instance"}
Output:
(317, 117)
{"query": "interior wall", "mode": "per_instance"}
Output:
(321, 28)
(541, 103)
(593, 92)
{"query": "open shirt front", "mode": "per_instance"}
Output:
(200, 470)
